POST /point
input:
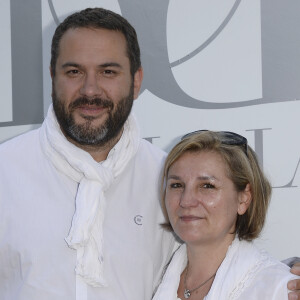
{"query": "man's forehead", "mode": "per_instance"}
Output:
(93, 41)
(93, 35)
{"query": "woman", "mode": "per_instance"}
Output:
(215, 198)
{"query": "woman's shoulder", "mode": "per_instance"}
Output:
(275, 273)
(253, 273)
(270, 280)
(270, 283)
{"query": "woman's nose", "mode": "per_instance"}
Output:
(188, 198)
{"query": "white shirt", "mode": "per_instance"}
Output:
(246, 273)
(36, 209)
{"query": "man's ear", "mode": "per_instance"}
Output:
(245, 198)
(137, 82)
(51, 74)
(52, 81)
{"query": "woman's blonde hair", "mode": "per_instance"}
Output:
(243, 168)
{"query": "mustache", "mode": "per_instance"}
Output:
(95, 101)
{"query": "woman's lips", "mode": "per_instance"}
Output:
(190, 218)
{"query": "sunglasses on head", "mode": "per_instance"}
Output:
(226, 138)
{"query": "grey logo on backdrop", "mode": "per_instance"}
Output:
(280, 55)
(280, 83)
(26, 62)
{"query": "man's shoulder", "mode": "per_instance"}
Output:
(151, 151)
(19, 143)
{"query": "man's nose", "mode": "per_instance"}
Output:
(91, 86)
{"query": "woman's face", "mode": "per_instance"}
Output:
(201, 201)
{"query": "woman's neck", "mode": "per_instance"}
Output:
(204, 259)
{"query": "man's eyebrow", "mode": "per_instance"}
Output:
(110, 64)
(70, 64)
(105, 65)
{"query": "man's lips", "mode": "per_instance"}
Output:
(91, 109)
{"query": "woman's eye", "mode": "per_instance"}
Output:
(175, 185)
(208, 186)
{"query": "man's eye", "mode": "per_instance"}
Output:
(109, 72)
(72, 72)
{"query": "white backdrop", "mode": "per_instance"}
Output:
(209, 64)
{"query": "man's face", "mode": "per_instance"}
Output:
(93, 89)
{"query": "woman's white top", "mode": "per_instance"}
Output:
(246, 273)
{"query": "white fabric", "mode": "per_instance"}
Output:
(37, 204)
(246, 274)
(94, 179)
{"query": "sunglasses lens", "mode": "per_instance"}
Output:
(231, 138)
(227, 138)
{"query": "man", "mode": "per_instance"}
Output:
(88, 158)
(82, 191)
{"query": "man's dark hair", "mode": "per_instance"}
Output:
(98, 18)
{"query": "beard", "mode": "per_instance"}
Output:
(86, 133)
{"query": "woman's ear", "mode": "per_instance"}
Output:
(245, 198)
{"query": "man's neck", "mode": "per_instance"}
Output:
(99, 153)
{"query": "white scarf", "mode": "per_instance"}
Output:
(86, 233)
